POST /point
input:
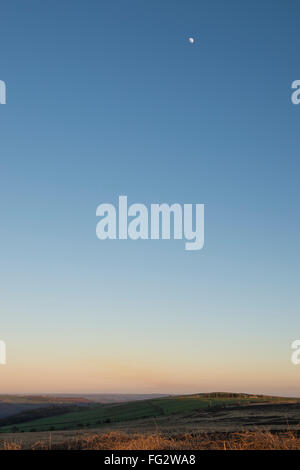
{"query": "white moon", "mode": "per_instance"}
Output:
(191, 40)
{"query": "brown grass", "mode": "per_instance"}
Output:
(247, 440)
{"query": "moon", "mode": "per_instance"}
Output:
(191, 40)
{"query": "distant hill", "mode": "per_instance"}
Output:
(109, 397)
(93, 415)
(42, 399)
(11, 405)
(53, 398)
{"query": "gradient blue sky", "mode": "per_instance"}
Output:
(107, 98)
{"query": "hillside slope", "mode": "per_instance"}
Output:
(95, 416)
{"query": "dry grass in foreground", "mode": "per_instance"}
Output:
(250, 440)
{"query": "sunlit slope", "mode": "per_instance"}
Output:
(98, 415)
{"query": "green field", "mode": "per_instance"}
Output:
(95, 416)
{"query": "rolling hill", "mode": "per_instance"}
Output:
(96, 415)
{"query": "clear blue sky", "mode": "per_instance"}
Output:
(107, 98)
